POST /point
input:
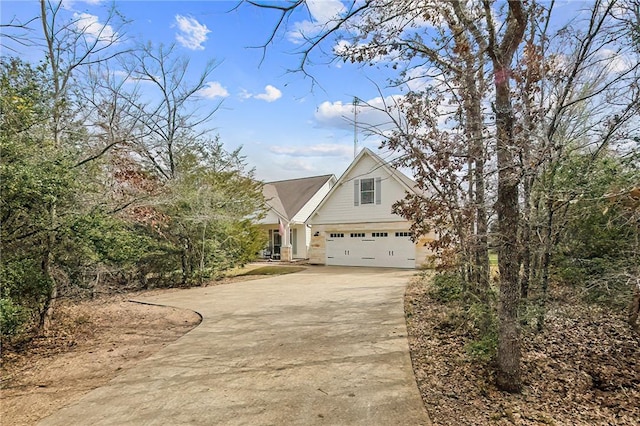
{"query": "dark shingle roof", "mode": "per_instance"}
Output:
(287, 197)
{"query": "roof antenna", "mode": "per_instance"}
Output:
(356, 101)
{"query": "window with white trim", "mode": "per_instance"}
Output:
(379, 234)
(357, 235)
(367, 191)
(336, 235)
(403, 234)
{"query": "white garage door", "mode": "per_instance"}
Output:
(388, 249)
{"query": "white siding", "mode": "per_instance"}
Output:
(313, 202)
(302, 242)
(340, 207)
(270, 218)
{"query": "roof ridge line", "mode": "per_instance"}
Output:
(328, 175)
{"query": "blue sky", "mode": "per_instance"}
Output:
(287, 125)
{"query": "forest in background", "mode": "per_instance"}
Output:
(110, 176)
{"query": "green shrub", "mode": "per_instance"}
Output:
(12, 318)
(598, 280)
(446, 287)
(468, 315)
(531, 314)
(485, 348)
(485, 322)
(24, 285)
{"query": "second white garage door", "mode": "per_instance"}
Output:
(390, 249)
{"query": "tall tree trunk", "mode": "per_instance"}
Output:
(202, 254)
(525, 241)
(481, 249)
(547, 246)
(471, 221)
(186, 257)
(479, 227)
(509, 351)
(46, 314)
(48, 260)
(472, 78)
(526, 249)
(526, 227)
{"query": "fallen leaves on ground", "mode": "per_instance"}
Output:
(582, 369)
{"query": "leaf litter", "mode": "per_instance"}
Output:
(582, 369)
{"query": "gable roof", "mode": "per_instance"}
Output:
(407, 183)
(287, 197)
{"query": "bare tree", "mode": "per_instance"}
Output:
(578, 95)
(70, 46)
(18, 32)
(501, 50)
(161, 103)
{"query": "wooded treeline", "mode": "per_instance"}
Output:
(520, 121)
(110, 176)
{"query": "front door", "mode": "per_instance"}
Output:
(276, 243)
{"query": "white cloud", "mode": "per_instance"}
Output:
(322, 13)
(318, 150)
(244, 94)
(325, 10)
(616, 62)
(213, 89)
(91, 27)
(342, 47)
(302, 30)
(370, 113)
(299, 165)
(416, 80)
(422, 77)
(191, 34)
(374, 118)
(270, 94)
(68, 4)
(334, 114)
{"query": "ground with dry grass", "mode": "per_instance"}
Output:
(90, 343)
(583, 369)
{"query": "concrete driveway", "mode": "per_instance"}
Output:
(326, 346)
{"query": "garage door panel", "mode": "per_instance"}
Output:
(337, 250)
(381, 249)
